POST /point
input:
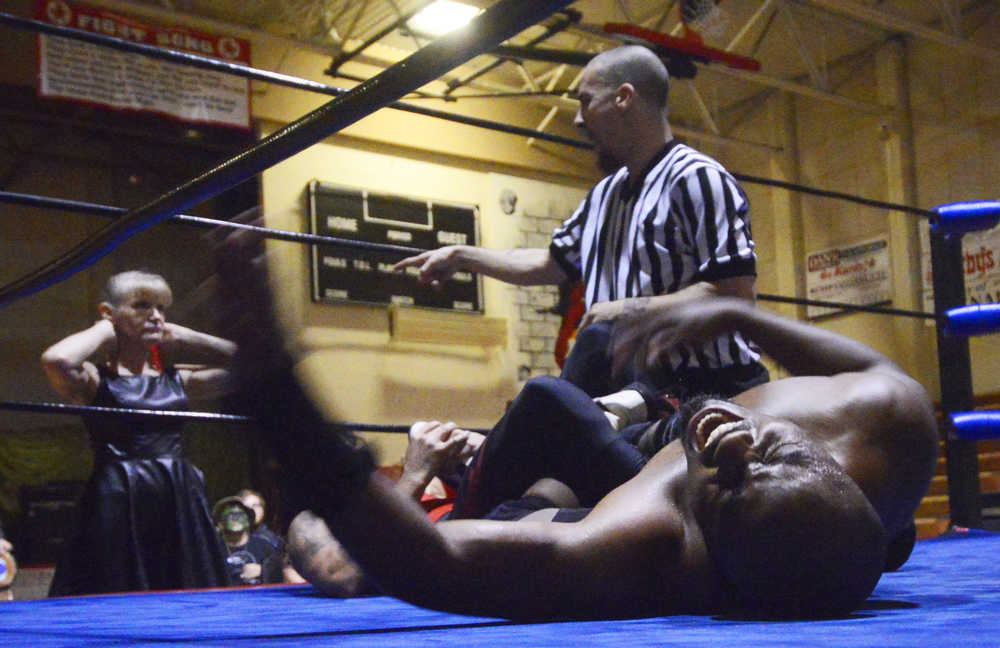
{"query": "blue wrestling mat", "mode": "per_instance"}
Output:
(947, 594)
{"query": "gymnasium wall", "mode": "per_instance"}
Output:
(361, 371)
(945, 147)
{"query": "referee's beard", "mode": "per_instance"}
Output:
(607, 162)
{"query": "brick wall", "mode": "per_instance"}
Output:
(537, 324)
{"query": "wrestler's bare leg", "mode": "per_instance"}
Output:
(318, 556)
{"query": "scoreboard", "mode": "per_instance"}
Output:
(344, 274)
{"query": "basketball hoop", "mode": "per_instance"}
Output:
(702, 17)
(680, 53)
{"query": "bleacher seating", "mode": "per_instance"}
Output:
(933, 514)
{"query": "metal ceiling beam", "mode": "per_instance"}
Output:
(346, 56)
(897, 24)
(817, 73)
(559, 23)
(544, 54)
(703, 110)
(754, 19)
(753, 77)
(693, 133)
(798, 88)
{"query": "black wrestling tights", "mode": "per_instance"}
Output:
(552, 429)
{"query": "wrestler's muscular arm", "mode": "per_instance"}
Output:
(803, 349)
(641, 307)
(525, 267)
(881, 419)
(523, 570)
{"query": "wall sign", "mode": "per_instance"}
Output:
(981, 254)
(855, 274)
(72, 69)
(344, 274)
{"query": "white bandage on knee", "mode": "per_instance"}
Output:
(628, 406)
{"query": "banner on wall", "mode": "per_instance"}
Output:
(70, 69)
(857, 274)
(981, 253)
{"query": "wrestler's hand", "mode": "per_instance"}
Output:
(645, 342)
(6, 546)
(436, 266)
(433, 448)
(473, 440)
(324, 466)
(614, 310)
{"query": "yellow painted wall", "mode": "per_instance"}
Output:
(360, 373)
(957, 130)
(956, 124)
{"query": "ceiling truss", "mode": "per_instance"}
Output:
(369, 31)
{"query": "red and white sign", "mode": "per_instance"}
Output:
(71, 69)
(981, 256)
(857, 274)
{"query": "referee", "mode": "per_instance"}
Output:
(668, 224)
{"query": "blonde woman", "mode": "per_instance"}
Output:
(144, 522)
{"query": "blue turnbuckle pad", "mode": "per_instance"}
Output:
(976, 426)
(959, 218)
(972, 320)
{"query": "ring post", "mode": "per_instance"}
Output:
(493, 26)
(955, 372)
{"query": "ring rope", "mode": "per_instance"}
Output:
(845, 306)
(488, 29)
(825, 193)
(314, 86)
(119, 412)
(317, 239)
(63, 408)
(207, 223)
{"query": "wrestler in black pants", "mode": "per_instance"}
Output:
(552, 429)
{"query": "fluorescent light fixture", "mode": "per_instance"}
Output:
(442, 17)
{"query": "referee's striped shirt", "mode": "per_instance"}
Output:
(687, 222)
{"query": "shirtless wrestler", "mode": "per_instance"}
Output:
(775, 503)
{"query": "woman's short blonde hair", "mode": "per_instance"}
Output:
(122, 284)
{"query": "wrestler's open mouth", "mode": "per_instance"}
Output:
(711, 426)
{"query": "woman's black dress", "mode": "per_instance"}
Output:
(144, 523)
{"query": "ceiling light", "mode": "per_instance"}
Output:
(442, 17)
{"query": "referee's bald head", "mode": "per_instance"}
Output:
(638, 66)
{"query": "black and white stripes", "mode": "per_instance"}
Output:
(687, 222)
